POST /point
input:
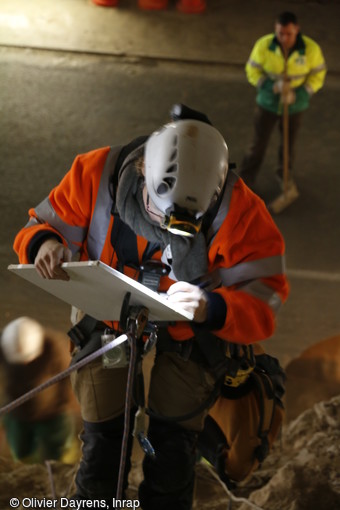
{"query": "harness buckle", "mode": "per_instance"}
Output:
(151, 273)
(77, 336)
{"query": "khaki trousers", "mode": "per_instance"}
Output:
(177, 388)
(100, 391)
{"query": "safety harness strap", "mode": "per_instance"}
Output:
(264, 388)
(124, 153)
(80, 333)
(127, 252)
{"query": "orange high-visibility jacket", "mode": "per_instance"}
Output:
(245, 248)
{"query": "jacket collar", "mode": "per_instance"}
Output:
(299, 45)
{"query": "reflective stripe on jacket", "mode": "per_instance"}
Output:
(306, 70)
(245, 248)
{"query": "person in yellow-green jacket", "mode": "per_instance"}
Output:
(285, 67)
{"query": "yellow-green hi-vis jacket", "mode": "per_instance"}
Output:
(306, 70)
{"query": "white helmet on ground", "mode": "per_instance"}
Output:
(22, 340)
(186, 164)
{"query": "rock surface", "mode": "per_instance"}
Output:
(303, 472)
(312, 376)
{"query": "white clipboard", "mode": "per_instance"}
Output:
(99, 291)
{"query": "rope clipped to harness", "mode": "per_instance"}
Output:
(136, 320)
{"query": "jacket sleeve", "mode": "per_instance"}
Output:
(254, 66)
(249, 250)
(317, 65)
(66, 212)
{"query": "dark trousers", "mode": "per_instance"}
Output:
(264, 123)
(97, 475)
(178, 387)
(169, 477)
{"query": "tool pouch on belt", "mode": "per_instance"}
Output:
(86, 337)
(244, 421)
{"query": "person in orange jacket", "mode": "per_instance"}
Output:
(169, 198)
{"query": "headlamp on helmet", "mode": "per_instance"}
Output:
(182, 223)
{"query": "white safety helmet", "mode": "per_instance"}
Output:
(186, 164)
(22, 340)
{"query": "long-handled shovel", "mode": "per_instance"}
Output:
(290, 191)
